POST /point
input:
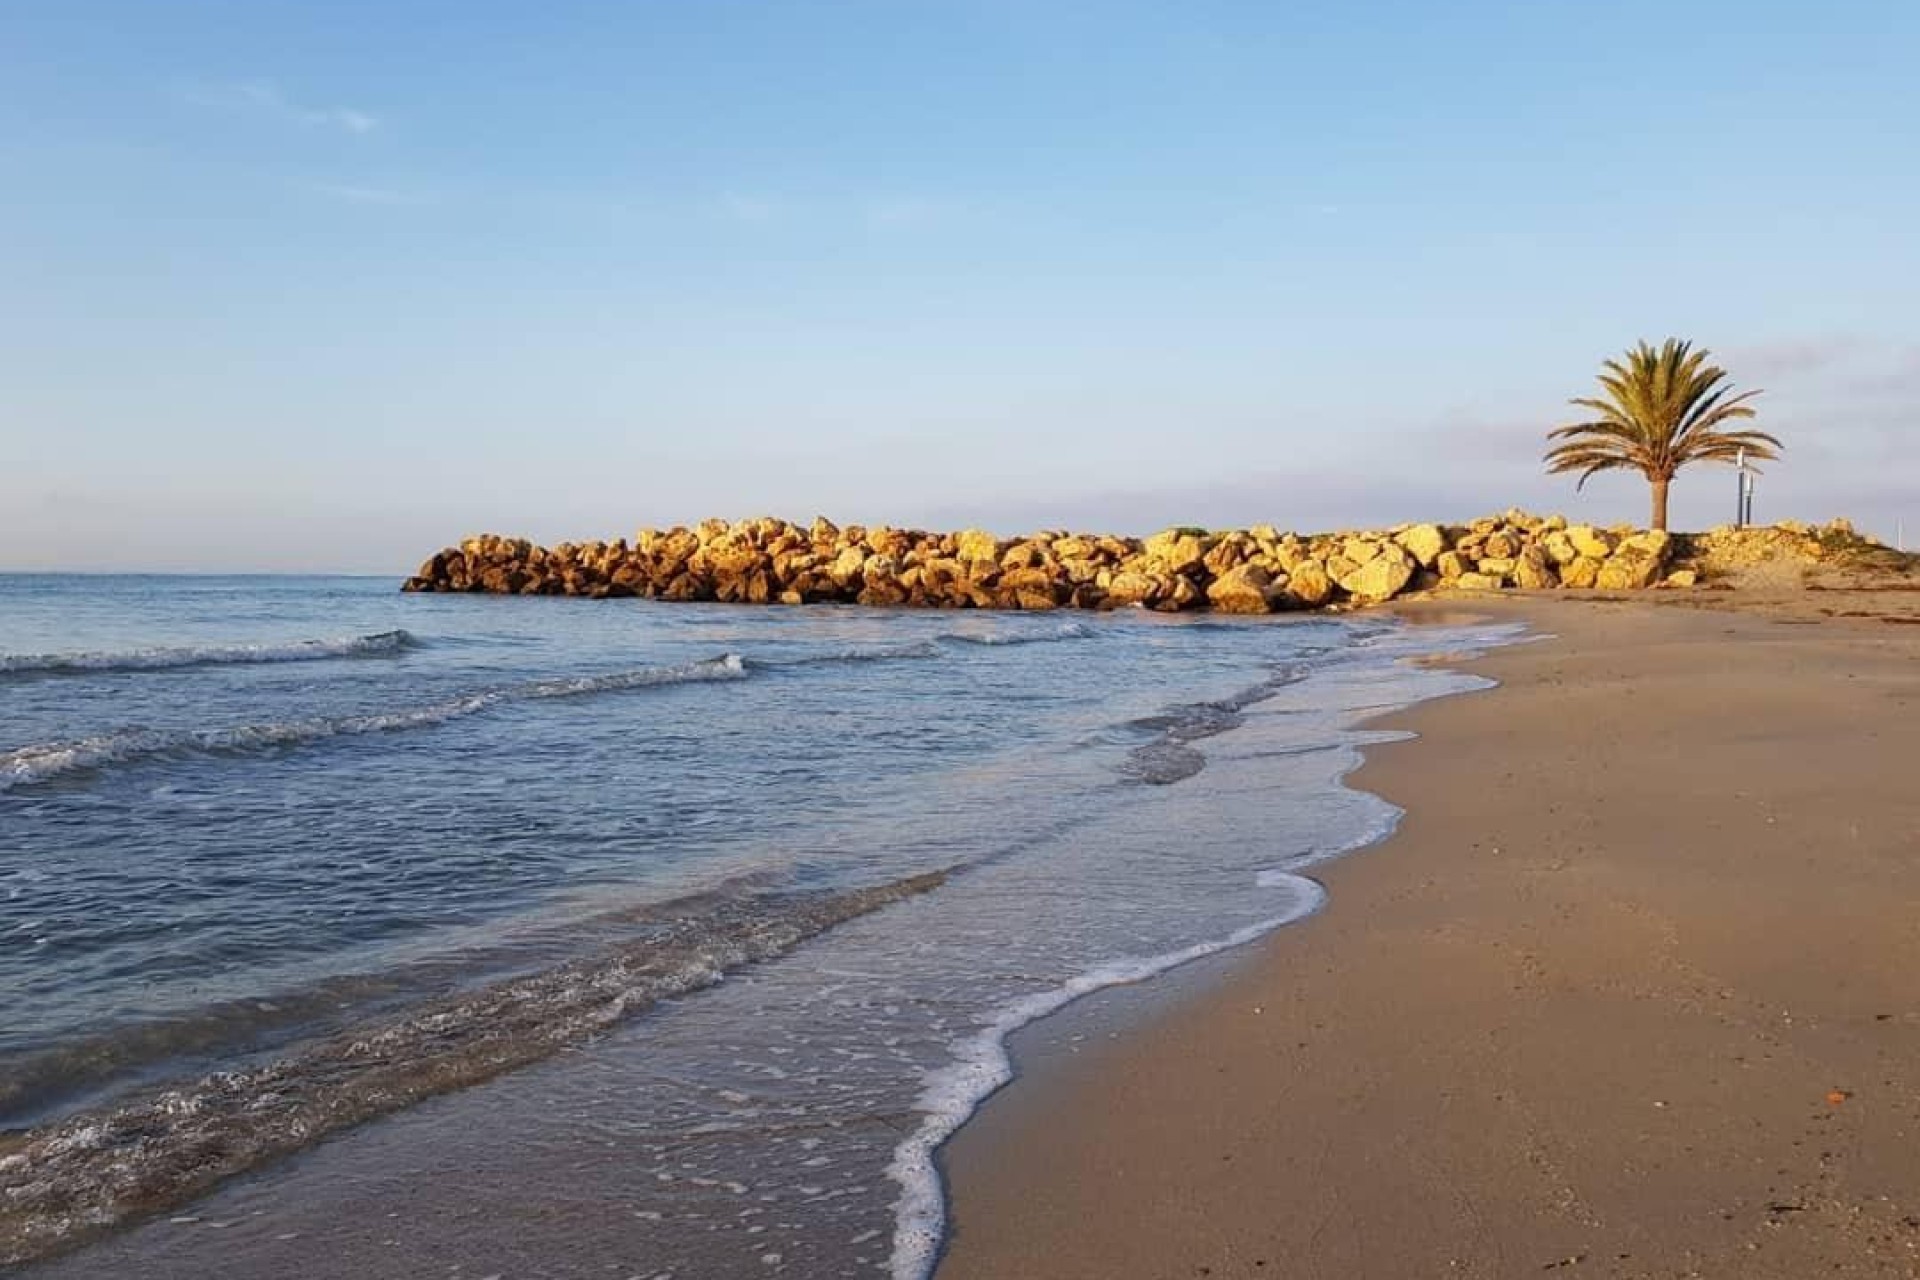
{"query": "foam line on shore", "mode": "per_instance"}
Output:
(1065, 631)
(43, 762)
(380, 644)
(930, 648)
(981, 1065)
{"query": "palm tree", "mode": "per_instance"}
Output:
(1662, 409)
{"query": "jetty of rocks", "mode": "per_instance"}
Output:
(1252, 570)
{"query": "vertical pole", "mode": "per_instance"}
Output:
(1740, 491)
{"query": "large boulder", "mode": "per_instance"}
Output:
(1227, 554)
(1133, 586)
(977, 545)
(1496, 566)
(1071, 548)
(1381, 578)
(1652, 542)
(1639, 561)
(1629, 571)
(847, 567)
(1424, 542)
(1176, 552)
(1533, 572)
(1182, 594)
(1025, 555)
(729, 558)
(1589, 541)
(1245, 589)
(1581, 573)
(1559, 547)
(1030, 585)
(1308, 585)
(892, 543)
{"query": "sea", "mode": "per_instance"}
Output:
(352, 933)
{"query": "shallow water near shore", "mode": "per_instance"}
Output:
(660, 859)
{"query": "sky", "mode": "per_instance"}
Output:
(327, 286)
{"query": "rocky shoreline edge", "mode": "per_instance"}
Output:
(1252, 570)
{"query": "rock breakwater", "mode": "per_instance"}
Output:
(1252, 570)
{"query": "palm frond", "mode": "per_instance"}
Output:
(1659, 409)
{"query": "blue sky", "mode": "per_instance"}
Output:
(326, 286)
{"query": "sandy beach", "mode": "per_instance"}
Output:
(1634, 991)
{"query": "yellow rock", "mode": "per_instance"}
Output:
(1589, 541)
(1531, 572)
(1381, 578)
(977, 545)
(1309, 584)
(1245, 589)
(1175, 552)
(1424, 542)
(1582, 573)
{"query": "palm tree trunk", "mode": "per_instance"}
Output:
(1660, 484)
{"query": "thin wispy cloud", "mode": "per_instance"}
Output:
(262, 97)
(353, 193)
(1901, 373)
(891, 214)
(1837, 366)
(1795, 357)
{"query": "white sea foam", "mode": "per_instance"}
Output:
(95, 1168)
(41, 762)
(981, 1065)
(379, 644)
(931, 647)
(1065, 631)
(857, 654)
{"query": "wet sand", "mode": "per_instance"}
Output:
(1634, 991)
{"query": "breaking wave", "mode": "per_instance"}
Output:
(856, 654)
(1065, 631)
(931, 647)
(41, 762)
(381, 644)
(98, 1168)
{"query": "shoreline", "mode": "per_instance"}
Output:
(1629, 1001)
(827, 1145)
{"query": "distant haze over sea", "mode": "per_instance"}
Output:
(35, 538)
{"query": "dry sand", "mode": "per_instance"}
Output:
(1635, 991)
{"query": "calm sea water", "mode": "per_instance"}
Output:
(250, 827)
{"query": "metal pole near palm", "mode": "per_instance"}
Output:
(1743, 491)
